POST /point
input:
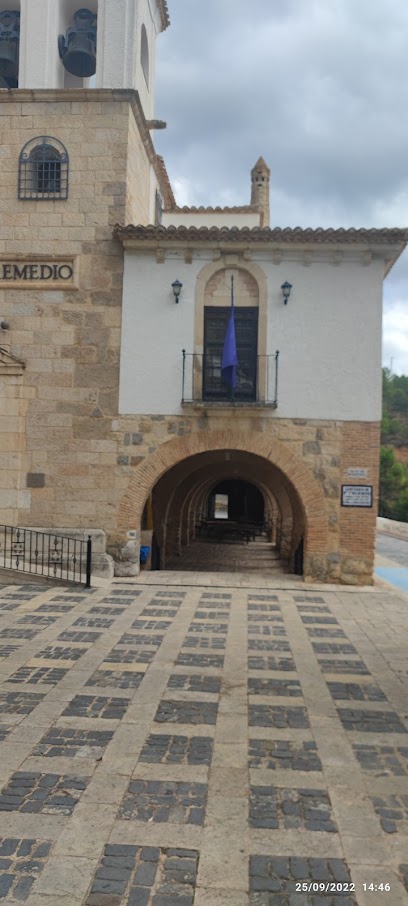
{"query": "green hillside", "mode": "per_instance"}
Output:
(394, 448)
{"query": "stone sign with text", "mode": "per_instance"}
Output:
(357, 472)
(357, 495)
(41, 273)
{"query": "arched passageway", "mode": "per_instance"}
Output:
(264, 519)
(237, 500)
(177, 481)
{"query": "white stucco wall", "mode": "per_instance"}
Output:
(329, 339)
(154, 332)
(328, 335)
(39, 29)
(211, 218)
(119, 41)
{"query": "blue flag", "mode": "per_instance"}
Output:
(229, 354)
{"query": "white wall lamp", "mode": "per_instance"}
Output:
(176, 287)
(286, 289)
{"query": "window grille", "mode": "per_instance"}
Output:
(43, 170)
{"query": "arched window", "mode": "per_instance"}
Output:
(43, 170)
(144, 55)
(217, 314)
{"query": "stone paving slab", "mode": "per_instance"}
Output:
(283, 755)
(386, 759)
(142, 872)
(21, 862)
(178, 741)
(177, 749)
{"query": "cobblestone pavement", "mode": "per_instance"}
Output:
(182, 740)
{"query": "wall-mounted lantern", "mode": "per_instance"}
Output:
(286, 289)
(176, 287)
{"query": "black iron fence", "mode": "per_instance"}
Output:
(256, 379)
(43, 554)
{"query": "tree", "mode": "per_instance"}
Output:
(394, 433)
(393, 486)
(394, 425)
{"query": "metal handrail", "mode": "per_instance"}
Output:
(46, 554)
(265, 383)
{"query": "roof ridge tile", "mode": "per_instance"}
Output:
(263, 234)
(203, 209)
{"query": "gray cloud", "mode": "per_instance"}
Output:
(319, 89)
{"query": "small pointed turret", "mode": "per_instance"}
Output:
(260, 175)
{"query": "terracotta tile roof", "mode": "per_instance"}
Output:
(164, 13)
(169, 201)
(236, 209)
(266, 234)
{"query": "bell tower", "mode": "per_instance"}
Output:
(260, 175)
(60, 44)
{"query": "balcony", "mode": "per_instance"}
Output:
(203, 385)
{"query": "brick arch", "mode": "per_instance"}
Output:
(169, 454)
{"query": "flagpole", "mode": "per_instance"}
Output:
(229, 360)
(232, 308)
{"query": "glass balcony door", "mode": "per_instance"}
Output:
(246, 331)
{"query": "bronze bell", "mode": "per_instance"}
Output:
(9, 47)
(78, 49)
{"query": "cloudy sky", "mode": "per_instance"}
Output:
(320, 89)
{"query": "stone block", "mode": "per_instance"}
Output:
(35, 480)
(91, 428)
(96, 376)
(9, 499)
(311, 446)
(125, 553)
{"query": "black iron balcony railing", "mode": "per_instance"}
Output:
(43, 554)
(256, 380)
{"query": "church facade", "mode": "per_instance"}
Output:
(114, 304)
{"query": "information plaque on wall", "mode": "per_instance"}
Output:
(357, 495)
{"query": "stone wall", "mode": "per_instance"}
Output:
(358, 525)
(13, 404)
(57, 430)
(313, 460)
